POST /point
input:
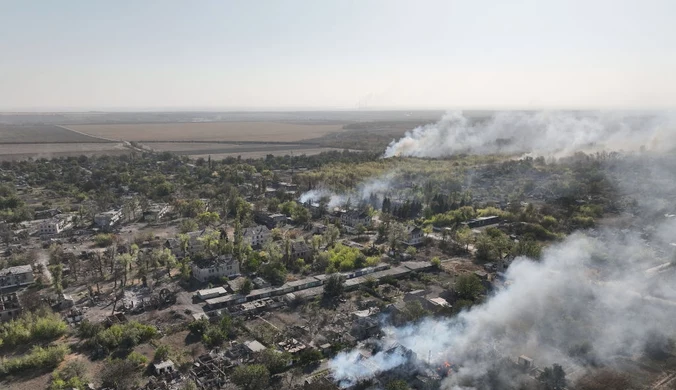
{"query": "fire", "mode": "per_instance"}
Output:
(446, 369)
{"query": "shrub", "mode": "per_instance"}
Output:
(38, 357)
(103, 240)
(31, 327)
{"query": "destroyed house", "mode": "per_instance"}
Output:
(10, 307)
(256, 236)
(298, 250)
(155, 212)
(214, 268)
(270, 220)
(107, 219)
(194, 244)
(354, 218)
(16, 276)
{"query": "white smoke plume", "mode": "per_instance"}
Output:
(548, 133)
(588, 299)
(362, 193)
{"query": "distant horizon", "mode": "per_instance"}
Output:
(187, 109)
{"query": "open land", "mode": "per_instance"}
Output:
(54, 150)
(41, 134)
(214, 131)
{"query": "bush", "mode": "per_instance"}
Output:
(124, 336)
(37, 358)
(140, 360)
(161, 353)
(33, 327)
(72, 376)
(103, 240)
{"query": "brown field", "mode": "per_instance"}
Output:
(24, 151)
(41, 133)
(211, 131)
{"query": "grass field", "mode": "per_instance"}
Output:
(211, 131)
(23, 151)
(41, 134)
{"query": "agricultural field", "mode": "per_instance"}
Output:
(51, 150)
(231, 149)
(41, 134)
(211, 131)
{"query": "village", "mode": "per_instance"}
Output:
(252, 287)
(141, 262)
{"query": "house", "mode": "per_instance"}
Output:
(414, 236)
(365, 323)
(354, 218)
(256, 236)
(214, 268)
(271, 220)
(194, 245)
(107, 219)
(54, 226)
(155, 212)
(483, 221)
(164, 367)
(10, 307)
(298, 250)
(45, 214)
(16, 276)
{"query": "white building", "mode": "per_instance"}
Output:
(54, 226)
(414, 236)
(16, 276)
(256, 236)
(107, 219)
(215, 268)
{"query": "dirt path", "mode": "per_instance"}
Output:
(89, 135)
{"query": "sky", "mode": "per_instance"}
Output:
(365, 54)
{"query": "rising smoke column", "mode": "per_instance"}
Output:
(544, 133)
(584, 292)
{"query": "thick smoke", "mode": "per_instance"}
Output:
(589, 300)
(544, 133)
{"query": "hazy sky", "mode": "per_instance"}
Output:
(290, 54)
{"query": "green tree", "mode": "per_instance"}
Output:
(331, 235)
(188, 225)
(309, 356)
(414, 311)
(301, 215)
(246, 287)
(274, 360)
(468, 286)
(208, 218)
(251, 377)
(333, 288)
(161, 353)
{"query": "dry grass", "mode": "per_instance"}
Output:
(23, 151)
(212, 131)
